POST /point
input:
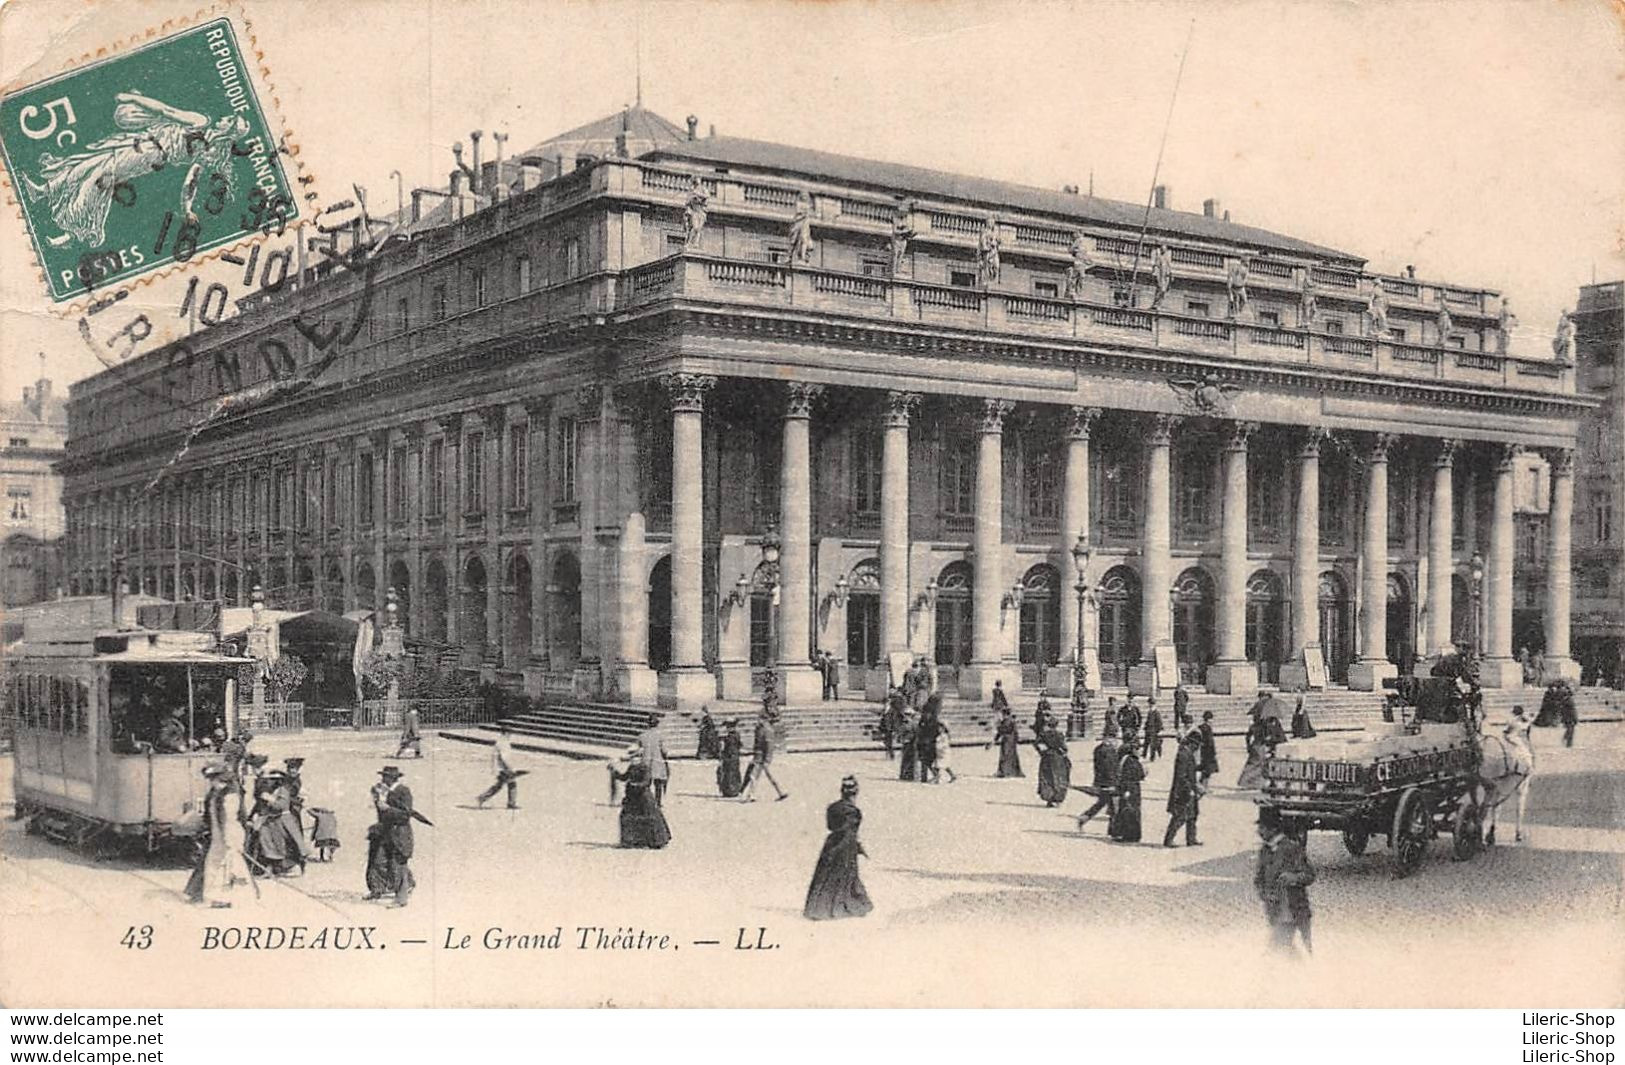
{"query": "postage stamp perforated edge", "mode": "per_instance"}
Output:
(302, 183)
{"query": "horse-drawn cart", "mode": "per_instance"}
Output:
(1410, 779)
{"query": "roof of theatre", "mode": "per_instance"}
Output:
(891, 178)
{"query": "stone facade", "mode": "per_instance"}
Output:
(32, 433)
(657, 426)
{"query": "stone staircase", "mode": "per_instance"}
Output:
(1592, 704)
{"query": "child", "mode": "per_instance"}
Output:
(325, 833)
(944, 748)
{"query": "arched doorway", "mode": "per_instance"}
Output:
(400, 579)
(333, 590)
(435, 612)
(516, 615)
(564, 612)
(305, 596)
(366, 588)
(1401, 632)
(763, 632)
(1461, 614)
(471, 618)
(954, 617)
(1119, 625)
(862, 622)
(1266, 624)
(1039, 639)
(1336, 631)
(1193, 624)
(660, 615)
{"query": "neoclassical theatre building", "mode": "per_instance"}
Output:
(639, 414)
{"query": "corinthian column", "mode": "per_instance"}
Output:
(1305, 563)
(894, 595)
(1373, 667)
(798, 683)
(1559, 532)
(1074, 514)
(987, 659)
(688, 683)
(1156, 621)
(1440, 533)
(1233, 674)
(1499, 669)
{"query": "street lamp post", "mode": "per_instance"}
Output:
(1077, 720)
(1477, 635)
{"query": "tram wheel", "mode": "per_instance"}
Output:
(1467, 831)
(1412, 825)
(1355, 840)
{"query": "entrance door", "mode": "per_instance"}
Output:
(659, 634)
(862, 638)
(1266, 630)
(1334, 627)
(1401, 640)
(1039, 642)
(1119, 639)
(1193, 625)
(953, 629)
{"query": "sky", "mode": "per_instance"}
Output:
(1481, 141)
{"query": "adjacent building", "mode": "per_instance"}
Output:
(641, 414)
(1599, 571)
(32, 438)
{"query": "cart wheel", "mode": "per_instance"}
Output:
(1355, 839)
(1411, 829)
(1467, 831)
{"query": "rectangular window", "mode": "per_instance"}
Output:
(279, 499)
(398, 483)
(1461, 484)
(675, 243)
(518, 467)
(1194, 501)
(1266, 498)
(1398, 334)
(403, 316)
(1334, 505)
(866, 466)
(1458, 342)
(776, 253)
(523, 274)
(962, 278)
(19, 504)
(1046, 289)
(572, 257)
(1332, 327)
(565, 483)
(474, 473)
(301, 498)
(957, 483)
(440, 303)
(1198, 308)
(330, 495)
(19, 441)
(1399, 499)
(479, 288)
(364, 488)
(1270, 319)
(1120, 496)
(874, 266)
(1602, 514)
(1043, 475)
(1122, 297)
(434, 474)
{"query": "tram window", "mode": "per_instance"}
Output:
(82, 700)
(149, 710)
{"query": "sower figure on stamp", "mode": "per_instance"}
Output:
(502, 765)
(1282, 880)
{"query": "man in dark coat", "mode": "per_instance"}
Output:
(821, 663)
(1182, 709)
(1282, 880)
(832, 676)
(1185, 792)
(1128, 718)
(395, 816)
(761, 759)
(1105, 783)
(1209, 761)
(891, 721)
(1153, 734)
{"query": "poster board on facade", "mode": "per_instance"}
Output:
(1167, 660)
(897, 664)
(1314, 668)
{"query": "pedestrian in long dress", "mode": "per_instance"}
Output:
(378, 875)
(945, 748)
(1104, 787)
(1210, 748)
(1006, 734)
(1301, 728)
(221, 866)
(1281, 880)
(710, 743)
(276, 842)
(760, 762)
(1054, 767)
(925, 739)
(729, 783)
(1001, 702)
(836, 890)
(395, 817)
(1185, 792)
(1263, 735)
(1125, 826)
(643, 823)
(908, 767)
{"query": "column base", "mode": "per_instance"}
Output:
(876, 683)
(1564, 668)
(1367, 676)
(1294, 677)
(687, 688)
(1232, 678)
(1500, 673)
(587, 680)
(1142, 679)
(637, 683)
(735, 681)
(976, 680)
(799, 685)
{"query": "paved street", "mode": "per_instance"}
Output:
(983, 896)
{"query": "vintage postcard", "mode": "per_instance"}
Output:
(774, 504)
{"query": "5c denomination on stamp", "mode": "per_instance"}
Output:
(144, 159)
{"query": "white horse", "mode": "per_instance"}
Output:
(1506, 769)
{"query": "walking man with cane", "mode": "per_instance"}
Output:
(507, 776)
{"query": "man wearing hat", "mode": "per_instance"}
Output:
(394, 828)
(1185, 792)
(1282, 881)
(502, 765)
(1209, 762)
(296, 799)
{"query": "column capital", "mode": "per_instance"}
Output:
(493, 415)
(900, 406)
(1446, 455)
(687, 391)
(450, 424)
(1080, 422)
(537, 406)
(589, 402)
(799, 399)
(1162, 429)
(994, 412)
(1506, 455)
(1561, 459)
(1237, 434)
(1381, 445)
(1313, 437)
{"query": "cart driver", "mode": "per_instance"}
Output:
(172, 734)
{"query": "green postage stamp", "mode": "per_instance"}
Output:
(142, 160)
